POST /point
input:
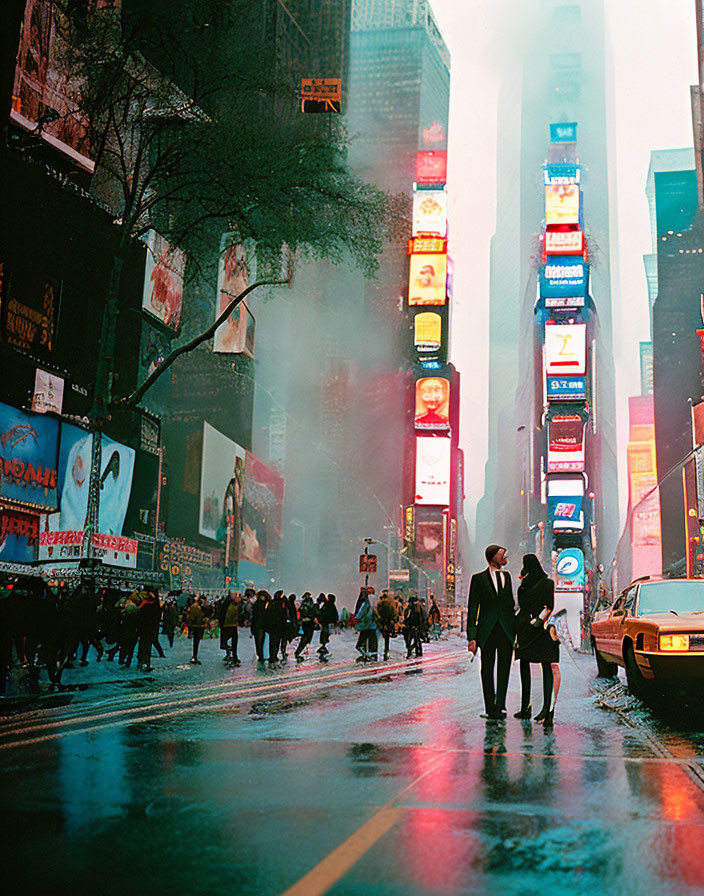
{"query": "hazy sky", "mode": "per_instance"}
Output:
(653, 46)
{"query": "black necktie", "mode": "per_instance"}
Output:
(498, 581)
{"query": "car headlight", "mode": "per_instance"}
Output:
(674, 642)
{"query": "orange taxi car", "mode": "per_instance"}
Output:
(655, 630)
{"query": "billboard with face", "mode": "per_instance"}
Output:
(221, 486)
(566, 443)
(427, 279)
(116, 469)
(28, 458)
(163, 280)
(262, 513)
(566, 349)
(432, 403)
(236, 334)
(433, 471)
(561, 204)
(430, 212)
(429, 547)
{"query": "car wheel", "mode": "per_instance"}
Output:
(604, 669)
(638, 686)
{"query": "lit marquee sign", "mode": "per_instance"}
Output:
(566, 444)
(427, 279)
(566, 349)
(427, 244)
(427, 331)
(560, 279)
(562, 174)
(564, 242)
(430, 212)
(561, 204)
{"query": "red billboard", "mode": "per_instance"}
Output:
(431, 166)
(432, 403)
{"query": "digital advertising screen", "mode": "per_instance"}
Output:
(430, 212)
(561, 204)
(163, 280)
(563, 132)
(432, 403)
(427, 331)
(560, 278)
(262, 514)
(566, 443)
(236, 335)
(564, 242)
(28, 458)
(433, 471)
(565, 499)
(569, 570)
(429, 544)
(562, 173)
(427, 279)
(221, 485)
(566, 349)
(566, 388)
(431, 166)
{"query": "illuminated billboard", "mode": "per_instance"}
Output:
(566, 349)
(432, 471)
(221, 487)
(28, 458)
(560, 278)
(429, 543)
(566, 443)
(565, 499)
(562, 173)
(563, 132)
(262, 512)
(427, 331)
(432, 403)
(566, 388)
(431, 166)
(427, 280)
(163, 280)
(43, 89)
(116, 470)
(430, 212)
(236, 335)
(564, 242)
(570, 573)
(48, 392)
(561, 204)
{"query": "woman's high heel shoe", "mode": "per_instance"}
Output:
(524, 713)
(541, 715)
(549, 719)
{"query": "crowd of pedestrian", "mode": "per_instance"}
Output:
(56, 627)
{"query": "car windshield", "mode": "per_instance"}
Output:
(664, 597)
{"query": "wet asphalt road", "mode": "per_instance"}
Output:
(345, 779)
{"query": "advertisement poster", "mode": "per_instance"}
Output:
(28, 458)
(427, 280)
(565, 497)
(432, 403)
(43, 89)
(566, 444)
(433, 471)
(427, 331)
(48, 392)
(221, 485)
(236, 335)
(430, 212)
(563, 132)
(566, 349)
(19, 535)
(163, 280)
(562, 278)
(569, 570)
(262, 514)
(114, 550)
(116, 469)
(562, 173)
(567, 388)
(429, 546)
(561, 204)
(431, 166)
(564, 242)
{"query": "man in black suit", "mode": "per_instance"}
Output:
(491, 626)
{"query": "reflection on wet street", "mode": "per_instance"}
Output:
(387, 786)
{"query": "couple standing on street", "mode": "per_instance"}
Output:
(494, 626)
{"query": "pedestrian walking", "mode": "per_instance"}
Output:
(308, 613)
(412, 626)
(195, 619)
(491, 626)
(387, 616)
(367, 643)
(275, 625)
(148, 618)
(258, 623)
(291, 631)
(434, 618)
(169, 618)
(327, 616)
(536, 640)
(228, 619)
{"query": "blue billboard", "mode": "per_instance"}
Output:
(563, 277)
(563, 132)
(564, 173)
(569, 567)
(29, 445)
(567, 388)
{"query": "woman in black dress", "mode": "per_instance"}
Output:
(536, 643)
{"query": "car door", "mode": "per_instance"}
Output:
(622, 610)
